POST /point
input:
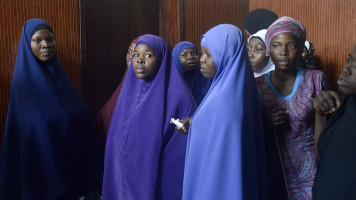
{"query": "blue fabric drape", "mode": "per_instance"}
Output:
(225, 149)
(49, 147)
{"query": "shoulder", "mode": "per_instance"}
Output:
(316, 78)
(314, 74)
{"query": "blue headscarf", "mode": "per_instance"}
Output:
(144, 155)
(49, 148)
(197, 83)
(225, 149)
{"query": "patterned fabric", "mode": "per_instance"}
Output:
(286, 24)
(296, 136)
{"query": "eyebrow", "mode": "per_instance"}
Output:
(146, 50)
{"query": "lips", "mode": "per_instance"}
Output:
(140, 70)
(46, 53)
(283, 62)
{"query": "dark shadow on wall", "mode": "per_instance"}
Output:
(107, 28)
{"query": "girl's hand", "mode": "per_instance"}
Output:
(326, 102)
(186, 123)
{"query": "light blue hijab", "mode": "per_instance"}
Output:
(225, 151)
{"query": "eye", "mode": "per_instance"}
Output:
(193, 53)
(135, 55)
(276, 46)
(183, 55)
(129, 51)
(292, 46)
(37, 41)
(148, 55)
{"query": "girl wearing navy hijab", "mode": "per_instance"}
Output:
(185, 55)
(49, 149)
(144, 155)
(225, 149)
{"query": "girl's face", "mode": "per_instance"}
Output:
(43, 45)
(207, 65)
(144, 61)
(284, 51)
(257, 53)
(347, 78)
(130, 53)
(189, 59)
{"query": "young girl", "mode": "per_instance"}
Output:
(225, 151)
(185, 55)
(287, 95)
(261, 64)
(144, 156)
(335, 177)
(49, 149)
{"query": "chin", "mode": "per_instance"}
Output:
(344, 90)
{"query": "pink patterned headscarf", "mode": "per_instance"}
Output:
(283, 25)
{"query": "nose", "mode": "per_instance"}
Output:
(140, 60)
(45, 44)
(284, 51)
(250, 54)
(202, 59)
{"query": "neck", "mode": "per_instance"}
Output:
(283, 75)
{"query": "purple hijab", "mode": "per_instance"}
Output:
(144, 155)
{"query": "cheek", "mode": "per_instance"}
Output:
(182, 61)
(211, 66)
(34, 48)
(151, 66)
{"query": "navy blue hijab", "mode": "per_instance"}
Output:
(49, 148)
(197, 83)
